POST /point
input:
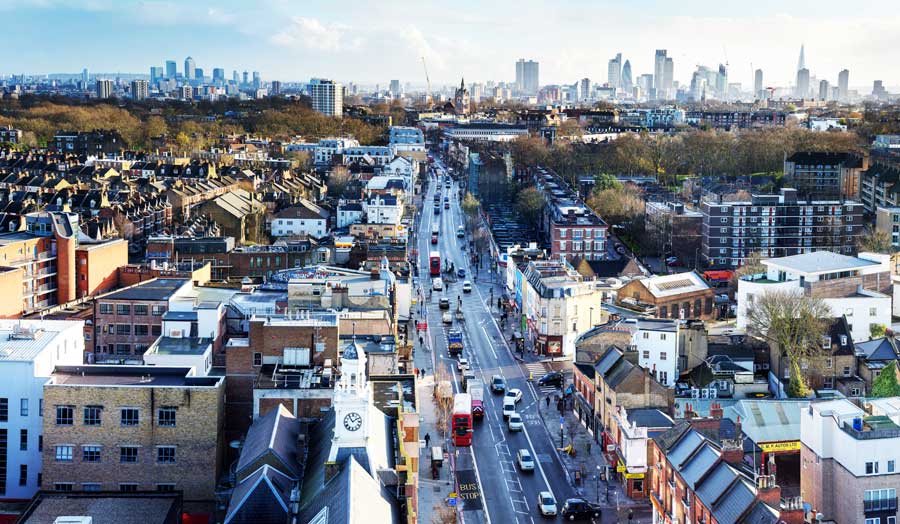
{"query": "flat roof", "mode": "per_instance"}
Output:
(180, 346)
(103, 507)
(819, 262)
(180, 315)
(23, 340)
(157, 289)
(675, 284)
(128, 376)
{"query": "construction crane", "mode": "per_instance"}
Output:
(428, 99)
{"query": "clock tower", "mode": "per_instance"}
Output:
(351, 400)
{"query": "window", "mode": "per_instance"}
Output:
(166, 417)
(165, 487)
(562, 233)
(64, 453)
(128, 487)
(873, 311)
(890, 466)
(65, 415)
(123, 309)
(40, 443)
(90, 454)
(156, 330)
(123, 349)
(130, 416)
(123, 329)
(90, 486)
(829, 362)
(23, 440)
(157, 311)
(646, 335)
(646, 354)
(257, 359)
(141, 330)
(871, 468)
(63, 486)
(846, 371)
(4, 409)
(662, 336)
(165, 455)
(141, 310)
(23, 407)
(128, 454)
(884, 499)
(92, 415)
(23, 474)
(662, 355)
(664, 377)
(106, 308)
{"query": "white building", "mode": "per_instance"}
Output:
(656, 343)
(836, 279)
(189, 334)
(374, 155)
(305, 218)
(486, 132)
(327, 96)
(404, 167)
(406, 139)
(328, 147)
(384, 209)
(29, 350)
(349, 213)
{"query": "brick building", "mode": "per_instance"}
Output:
(574, 230)
(127, 321)
(776, 226)
(824, 175)
(130, 428)
(677, 296)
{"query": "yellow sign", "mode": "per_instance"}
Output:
(620, 467)
(634, 475)
(774, 447)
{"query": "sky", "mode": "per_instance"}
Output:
(372, 41)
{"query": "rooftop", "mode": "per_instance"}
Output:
(675, 284)
(23, 340)
(819, 262)
(180, 346)
(129, 376)
(157, 289)
(103, 507)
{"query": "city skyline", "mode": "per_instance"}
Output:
(359, 44)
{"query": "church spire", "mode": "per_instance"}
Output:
(462, 83)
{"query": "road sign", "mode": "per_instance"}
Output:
(469, 493)
(421, 326)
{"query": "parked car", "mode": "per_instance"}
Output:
(580, 509)
(546, 504)
(444, 303)
(525, 460)
(467, 287)
(498, 384)
(672, 261)
(515, 422)
(554, 378)
(514, 394)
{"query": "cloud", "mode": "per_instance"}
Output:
(311, 34)
(420, 45)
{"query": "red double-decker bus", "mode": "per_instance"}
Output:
(461, 420)
(434, 263)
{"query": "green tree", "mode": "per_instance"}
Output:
(470, 205)
(885, 385)
(605, 181)
(877, 331)
(529, 203)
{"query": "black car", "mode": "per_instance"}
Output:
(444, 303)
(580, 509)
(554, 378)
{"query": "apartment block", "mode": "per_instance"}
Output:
(849, 460)
(877, 186)
(29, 350)
(776, 226)
(824, 176)
(131, 428)
(574, 230)
(673, 228)
(887, 221)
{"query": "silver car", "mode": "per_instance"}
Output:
(515, 422)
(546, 504)
(526, 463)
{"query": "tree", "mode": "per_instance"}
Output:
(619, 206)
(338, 179)
(570, 128)
(529, 203)
(794, 324)
(528, 151)
(885, 385)
(752, 266)
(875, 241)
(877, 331)
(605, 181)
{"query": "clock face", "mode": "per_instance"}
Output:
(352, 421)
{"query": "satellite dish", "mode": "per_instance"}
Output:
(235, 444)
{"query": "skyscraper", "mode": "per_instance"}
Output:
(527, 77)
(104, 88)
(824, 90)
(668, 76)
(198, 73)
(189, 67)
(246, 77)
(722, 82)
(327, 96)
(801, 63)
(802, 90)
(844, 85)
(659, 69)
(84, 76)
(614, 72)
(218, 75)
(395, 89)
(140, 89)
(257, 80)
(585, 88)
(235, 77)
(757, 82)
(156, 73)
(627, 82)
(276, 88)
(171, 69)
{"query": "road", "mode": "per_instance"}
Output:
(509, 494)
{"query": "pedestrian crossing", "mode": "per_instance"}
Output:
(536, 369)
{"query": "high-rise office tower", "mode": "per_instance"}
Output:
(246, 78)
(669, 79)
(801, 63)
(276, 88)
(171, 69)
(104, 88)
(327, 96)
(659, 69)
(802, 90)
(527, 77)
(844, 85)
(757, 82)
(140, 89)
(824, 90)
(189, 67)
(614, 72)
(395, 89)
(198, 73)
(218, 75)
(627, 82)
(878, 90)
(257, 80)
(235, 77)
(585, 88)
(722, 82)
(156, 73)
(84, 76)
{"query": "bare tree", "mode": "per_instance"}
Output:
(443, 515)
(338, 179)
(794, 324)
(875, 241)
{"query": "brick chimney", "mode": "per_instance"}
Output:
(768, 491)
(733, 450)
(715, 410)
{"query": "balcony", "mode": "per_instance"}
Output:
(888, 504)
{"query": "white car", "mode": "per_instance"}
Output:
(467, 287)
(447, 318)
(462, 364)
(526, 463)
(514, 394)
(546, 504)
(509, 408)
(515, 422)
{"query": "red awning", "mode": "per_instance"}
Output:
(718, 275)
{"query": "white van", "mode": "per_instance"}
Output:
(509, 406)
(437, 284)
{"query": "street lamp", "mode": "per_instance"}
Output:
(591, 318)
